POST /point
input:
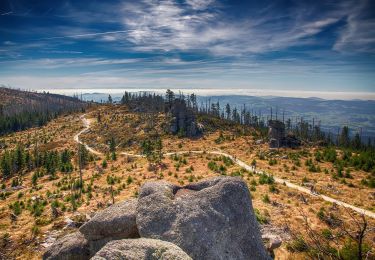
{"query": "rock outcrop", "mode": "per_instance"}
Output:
(142, 248)
(278, 137)
(212, 219)
(183, 121)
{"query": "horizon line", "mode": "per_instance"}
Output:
(326, 95)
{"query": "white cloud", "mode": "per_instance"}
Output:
(205, 25)
(167, 25)
(53, 63)
(199, 4)
(359, 34)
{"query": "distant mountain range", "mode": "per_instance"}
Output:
(359, 115)
(332, 114)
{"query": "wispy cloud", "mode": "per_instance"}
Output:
(53, 63)
(167, 25)
(7, 13)
(205, 25)
(358, 34)
(83, 35)
(190, 43)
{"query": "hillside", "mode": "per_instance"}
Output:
(331, 114)
(43, 199)
(23, 109)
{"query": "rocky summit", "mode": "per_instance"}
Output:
(212, 219)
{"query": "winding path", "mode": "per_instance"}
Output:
(86, 124)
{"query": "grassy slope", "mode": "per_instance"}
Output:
(284, 208)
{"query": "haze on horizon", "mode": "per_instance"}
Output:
(298, 46)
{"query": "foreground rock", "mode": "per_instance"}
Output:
(71, 247)
(142, 248)
(115, 222)
(212, 219)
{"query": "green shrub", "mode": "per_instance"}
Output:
(266, 179)
(272, 162)
(273, 189)
(262, 219)
(297, 245)
(16, 207)
(327, 234)
(266, 199)
(350, 250)
(129, 180)
(104, 164)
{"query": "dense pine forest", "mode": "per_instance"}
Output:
(20, 110)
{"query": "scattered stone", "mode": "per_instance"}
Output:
(213, 219)
(51, 237)
(273, 236)
(116, 221)
(69, 223)
(274, 242)
(142, 248)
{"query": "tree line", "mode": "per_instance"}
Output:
(21, 160)
(309, 132)
(20, 110)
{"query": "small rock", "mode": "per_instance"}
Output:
(51, 237)
(69, 223)
(274, 243)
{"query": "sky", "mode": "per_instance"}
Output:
(285, 47)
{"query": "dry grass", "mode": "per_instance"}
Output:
(284, 206)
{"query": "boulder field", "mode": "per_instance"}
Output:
(212, 219)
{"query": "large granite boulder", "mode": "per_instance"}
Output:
(114, 222)
(142, 248)
(70, 247)
(213, 219)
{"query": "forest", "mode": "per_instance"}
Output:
(20, 110)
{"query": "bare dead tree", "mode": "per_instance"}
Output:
(358, 234)
(318, 246)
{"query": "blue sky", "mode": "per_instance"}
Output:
(312, 46)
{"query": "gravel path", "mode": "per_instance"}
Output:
(240, 163)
